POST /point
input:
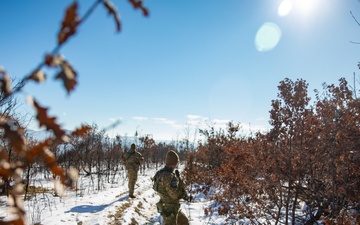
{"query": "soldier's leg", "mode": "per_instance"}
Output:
(132, 181)
(182, 219)
(135, 177)
(169, 220)
(128, 177)
(131, 184)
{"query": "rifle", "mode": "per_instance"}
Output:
(187, 197)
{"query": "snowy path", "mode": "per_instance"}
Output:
(109, 206)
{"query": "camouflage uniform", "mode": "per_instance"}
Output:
(132, 160)
(170, 189)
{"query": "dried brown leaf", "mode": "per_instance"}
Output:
(49, 158)
(13, 132)
(53, 60)
(3, 154)
(138, 4)
(68, 76)
(17, 221)
(5, 82)
(36, 150)
(112, 11)
(69, 23)
(81, 131)
(59, 172)
(48, 122)
(5, 173)
(38, 76)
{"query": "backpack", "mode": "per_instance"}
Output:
(155, 181)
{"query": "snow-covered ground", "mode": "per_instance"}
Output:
(110, 205)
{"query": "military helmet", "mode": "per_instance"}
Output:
(172, 158)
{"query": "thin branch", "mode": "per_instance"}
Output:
(90, 10)
(354, 17)
(56, 50)
(353, 42)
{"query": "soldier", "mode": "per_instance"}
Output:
(170, 188)
(132, 160)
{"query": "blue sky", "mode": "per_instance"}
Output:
(188, 65)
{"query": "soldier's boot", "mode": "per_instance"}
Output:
(182, 219)
(131, 194)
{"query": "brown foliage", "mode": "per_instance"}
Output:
(12, 131)
(310, 155)
(138, 4)
(69, 23)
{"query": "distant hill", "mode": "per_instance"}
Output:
(38, 135)
(43, 134)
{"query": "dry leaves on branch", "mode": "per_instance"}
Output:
(68, 76)
(13, 132)
(48, 122)
(81, 131)
(138, 4)
(5, 82)
(69, 23)
(112, 11)
(67, 73)
(38, 76)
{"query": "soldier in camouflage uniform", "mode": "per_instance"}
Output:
(132, 160)
(171, 188)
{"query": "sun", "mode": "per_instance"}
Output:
(305, 7)
(302, 7)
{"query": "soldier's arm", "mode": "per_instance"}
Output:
(139, 158)
(123, 159)
(182, 186)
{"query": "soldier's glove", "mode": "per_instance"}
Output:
(188, 197)
(177, 173)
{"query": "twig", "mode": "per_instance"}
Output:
(354, 18)
(353, 42)
(56, 50)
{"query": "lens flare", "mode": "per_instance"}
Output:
(285, 8)
(267, 37)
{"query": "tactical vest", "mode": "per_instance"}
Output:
(156, 178)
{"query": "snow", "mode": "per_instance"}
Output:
(110, 205)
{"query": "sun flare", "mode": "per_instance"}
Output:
(285, 8)
(303, 7)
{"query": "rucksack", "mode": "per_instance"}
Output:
(155, 180)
